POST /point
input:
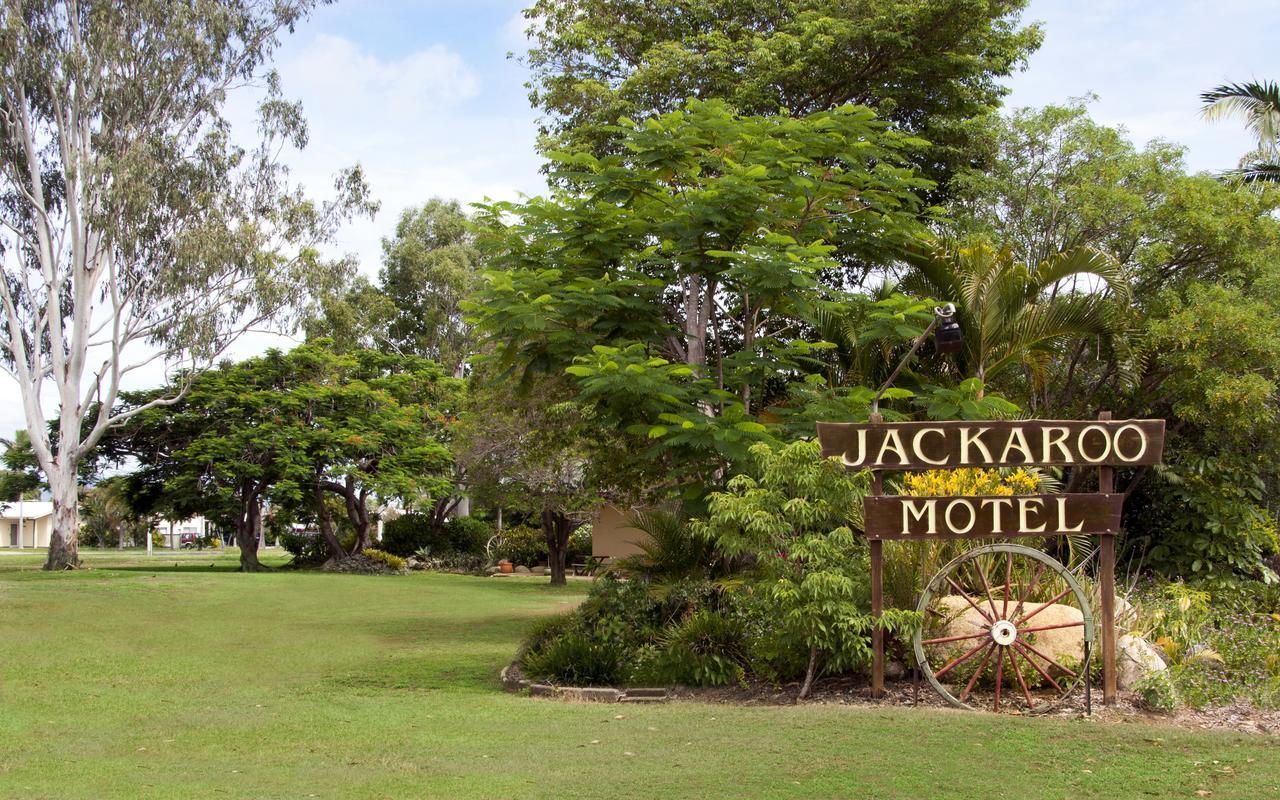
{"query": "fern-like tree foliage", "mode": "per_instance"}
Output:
(795, 513)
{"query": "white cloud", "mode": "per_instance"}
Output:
(420, 125)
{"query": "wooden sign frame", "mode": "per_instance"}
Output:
(1103, 444)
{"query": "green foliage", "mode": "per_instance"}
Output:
(577, 659)
(522, 546)
(1219, 651)
(704, 649)
(671, 550)
(1211, 523)
(1157, 692)
(613, 278)
(299, 428)
(579, 544)
(791, 514)
(929, 66)
(428, 267)
(409, 533)
(381, 556)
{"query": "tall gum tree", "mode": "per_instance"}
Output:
(134, 232)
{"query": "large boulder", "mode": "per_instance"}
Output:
(1063, 645)
(1135, 659)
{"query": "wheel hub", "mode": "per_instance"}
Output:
(1003, 633)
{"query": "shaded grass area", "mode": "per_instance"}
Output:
(154, 680)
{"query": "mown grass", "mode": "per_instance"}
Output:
(180, 678)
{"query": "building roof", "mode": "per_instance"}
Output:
(31, 509)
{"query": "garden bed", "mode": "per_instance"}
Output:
(853, 691)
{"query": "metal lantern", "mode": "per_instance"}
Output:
(947, 338)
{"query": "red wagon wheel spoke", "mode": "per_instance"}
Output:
(1013, 663)
(945, 639)
(968, 599)
(1055, 599)
(1037, 667)
(986, 587)
(1008, 583)
(999, 677)
(1048, 660)
(1079, 624)
(957, 661)
(1031, 587)
(973, 679)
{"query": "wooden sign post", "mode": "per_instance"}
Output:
(905, 446)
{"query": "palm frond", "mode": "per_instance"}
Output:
(1258, 103)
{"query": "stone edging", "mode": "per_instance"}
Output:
(514, 681)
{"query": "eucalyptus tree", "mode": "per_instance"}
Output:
(135, 232)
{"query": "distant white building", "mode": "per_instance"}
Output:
(172, 530)
(26, 523)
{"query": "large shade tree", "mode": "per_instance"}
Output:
(134, 231)
(293, 429)
(929, 66)
(675, 281)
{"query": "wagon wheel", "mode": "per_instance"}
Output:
(996, 611)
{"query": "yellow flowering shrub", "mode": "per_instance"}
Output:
(970, 481)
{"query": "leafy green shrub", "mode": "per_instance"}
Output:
(671, 548)
(408, 533)
(394, 562)
(577, 659)
(306, 548)
(467, 535)
(523, 546)
(579, 549)
(705, 649)
(465, 563)
(1156, 691)
(546, 629)
(621, 611)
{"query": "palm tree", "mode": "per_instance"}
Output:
(1015, 315)
(1259, 104)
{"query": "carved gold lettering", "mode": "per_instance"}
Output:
(892, 441)
(951, 523)
(1017, 440)
(1142, 443)
(927, 508)
(1051, 441)
(1025, 507)
(1106, 441)
(967, 438)
(1062, 519)
(862, 450)
(917, 445)
(995, 503)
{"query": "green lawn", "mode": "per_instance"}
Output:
(181, 678)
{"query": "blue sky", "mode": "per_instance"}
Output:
(422, 94)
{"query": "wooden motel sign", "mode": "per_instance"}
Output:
(1007, 443)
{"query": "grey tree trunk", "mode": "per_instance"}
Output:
(247, 525)
(64, 549)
